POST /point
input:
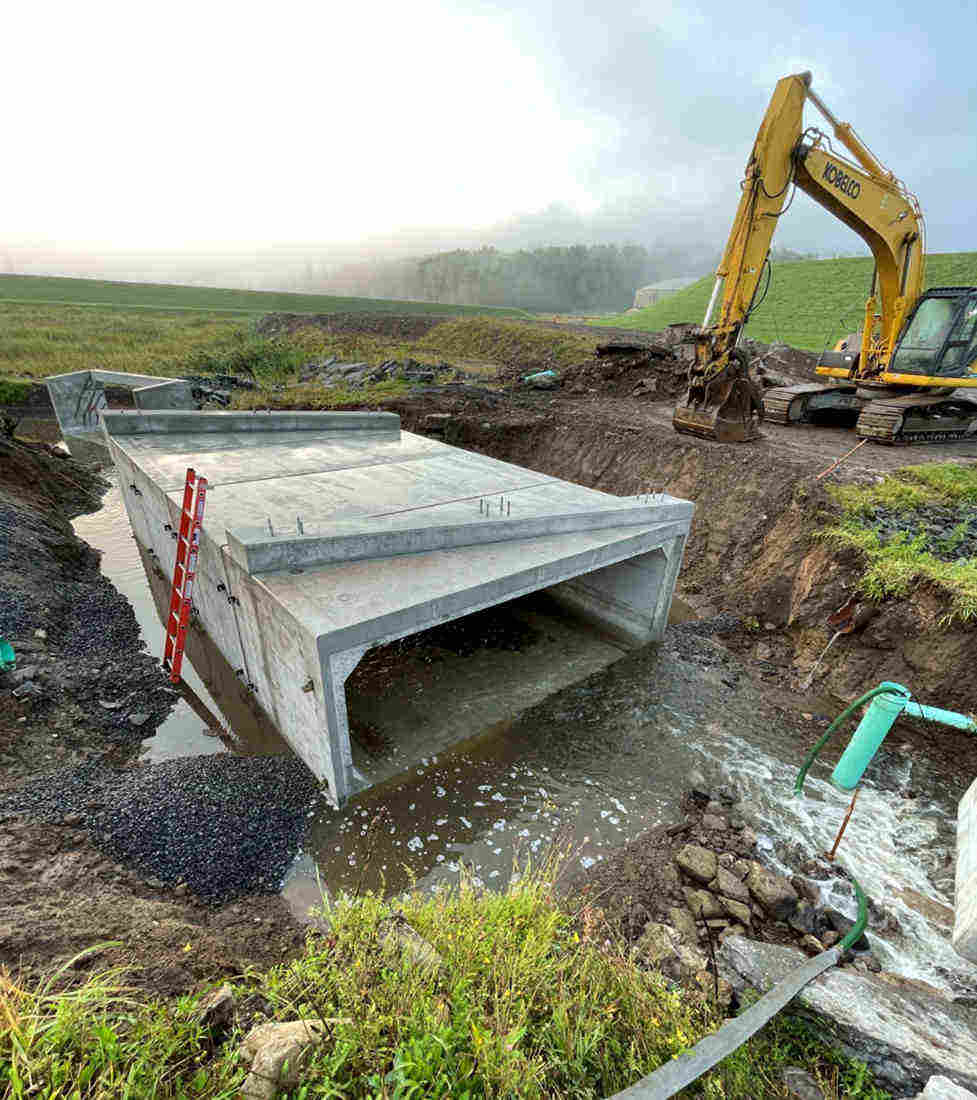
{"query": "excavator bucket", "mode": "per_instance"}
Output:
(731, 415)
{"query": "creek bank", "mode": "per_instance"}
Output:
(66, 761)
(696, 901)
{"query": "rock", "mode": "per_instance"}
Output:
(747, 840)
(812, 945)
(697, 780)
(73, 820)
(216, 1009)
(840, 923)
(108, 704)
(670, 877)
(905, 1034)
(829, 939)
(942, 1088)
(711, 821)
(684, 923)
(22, 675)
(801, 1085)
(657, 944)
(737, 910)
(762, 651)
(741, 868)
(30, 690)
(729, 885)
(686, 963)
(698, 863)
(702, 903)
(714, 807)
(733, 930)
(804, 919)
(717, 989)
(139, 718)
(398, 937)
(726, 859)
(773, 892)
(41, 633)
(278, 1053)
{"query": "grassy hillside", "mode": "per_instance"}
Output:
(94, 292)
(811, 302)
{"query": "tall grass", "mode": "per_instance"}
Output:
(523, 1000)
(897, 566)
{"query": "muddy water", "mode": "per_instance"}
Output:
(591, 765)
(189, 729)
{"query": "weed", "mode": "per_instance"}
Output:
(895, 567)
(522, 1003)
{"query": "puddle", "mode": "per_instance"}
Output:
(587, 750)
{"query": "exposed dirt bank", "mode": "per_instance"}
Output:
(753, 549)
(84, 695)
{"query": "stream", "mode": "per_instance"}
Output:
(593, 765)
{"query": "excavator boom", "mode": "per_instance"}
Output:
(722, 402)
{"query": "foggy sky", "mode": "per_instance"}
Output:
(408, 126)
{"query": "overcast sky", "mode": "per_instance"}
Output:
(160, 126)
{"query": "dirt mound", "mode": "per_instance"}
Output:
(622, 369)
(390, 326)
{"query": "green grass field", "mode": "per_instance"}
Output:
(811, 303)
(40, 289)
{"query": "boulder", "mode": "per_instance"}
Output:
(216, 1009)
(942, 1088)
(278, 1053)
(729, 885)
(714, 822)
(684, 923)
(702, 903)
(397, 937)
(904, 1034)
(801, 1085)
(657, 945)
(698, 863)
(737, 910)
(773, 892)
(804, 919)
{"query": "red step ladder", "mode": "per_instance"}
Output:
(184, 571)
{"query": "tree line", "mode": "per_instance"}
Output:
(574, 279)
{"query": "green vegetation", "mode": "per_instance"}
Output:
(524, 1002)
(95, 292)
(38, 340)
(895, 567)
(811, 303)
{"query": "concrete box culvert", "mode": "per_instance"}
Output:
(326, 534)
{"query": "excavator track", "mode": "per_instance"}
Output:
(794, 404)
(916, 419)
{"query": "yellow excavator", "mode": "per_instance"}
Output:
(910, 372)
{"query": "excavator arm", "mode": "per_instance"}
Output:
(722, 402)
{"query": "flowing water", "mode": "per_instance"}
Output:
(592, 765)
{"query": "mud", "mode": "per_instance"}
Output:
(59, 893)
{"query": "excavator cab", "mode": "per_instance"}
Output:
(940, 337)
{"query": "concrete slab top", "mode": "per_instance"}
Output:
(363, 532)
(358, 601)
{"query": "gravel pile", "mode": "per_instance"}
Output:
(224, 825)
(951, 533)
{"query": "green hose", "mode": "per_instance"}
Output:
(855, 934)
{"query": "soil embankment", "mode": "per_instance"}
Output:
(754, 549)
(72, 718)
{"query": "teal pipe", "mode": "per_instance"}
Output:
(945, 717)
(876, 722)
